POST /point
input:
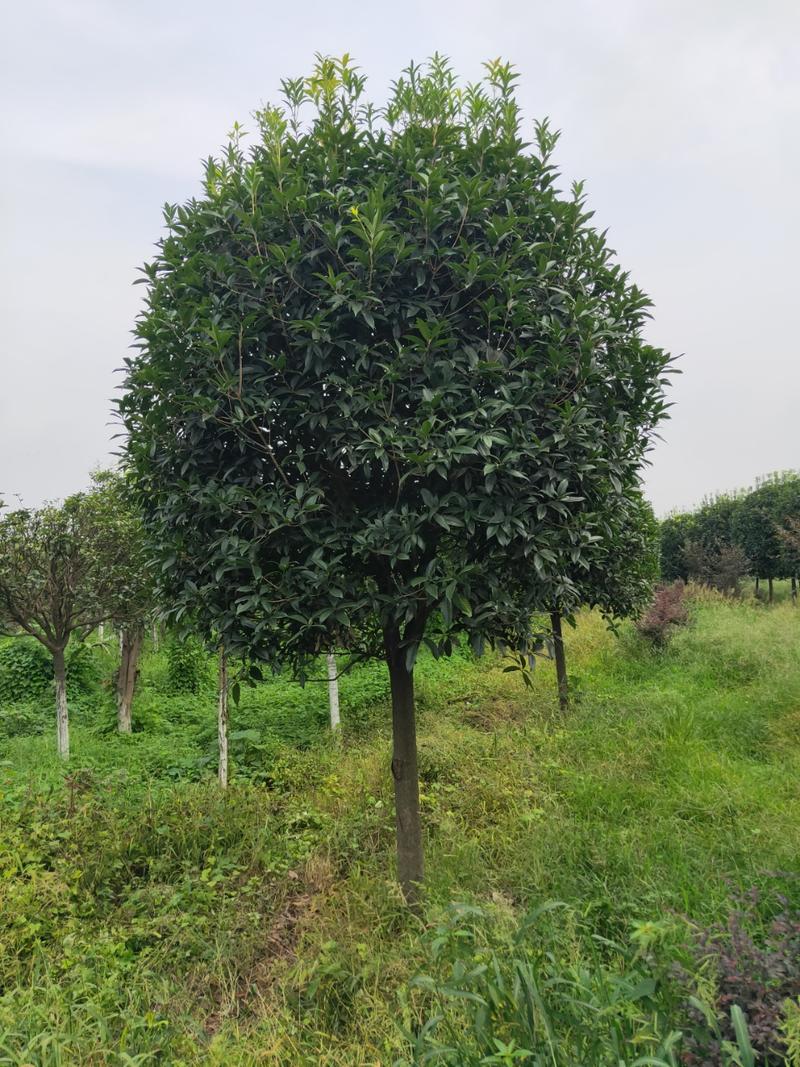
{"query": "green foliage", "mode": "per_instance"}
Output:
(134, 598)
(410, 375)
(531, 998)
(23, 718)
(624, 568)
(83, 670)
(188, 669)
(145, 914)
(754, 527)
(26, 683)
(26, 670)
(720, 567)
(733, 530)
(65, 568)
(675, 531)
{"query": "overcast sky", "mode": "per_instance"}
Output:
(683, 117)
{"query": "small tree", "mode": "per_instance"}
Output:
(721, 567)
(134, 601)
(387, 371)
(63, 571)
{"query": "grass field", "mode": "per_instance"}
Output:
(145, 917)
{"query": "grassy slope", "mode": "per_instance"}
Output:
(141, 911)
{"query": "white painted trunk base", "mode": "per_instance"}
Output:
(333, 691)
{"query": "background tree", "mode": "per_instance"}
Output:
(63, 569)
(134, 603)
(789, 535)
(710, 528)
(387, 370)
(674, 531)
(721, 567)
(713, 521)
(787, 522)
(754, 529)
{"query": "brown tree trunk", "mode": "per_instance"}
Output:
(131, 648)
(756, 586)
(410, 863)
(62, 714)
(561, 660)
(222, 720)
(794, 591)
(769, 584)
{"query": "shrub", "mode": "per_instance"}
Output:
(18, 720)
(667, 611)
(759, 975)
(26, 670)
(83, 670)
(187, 665)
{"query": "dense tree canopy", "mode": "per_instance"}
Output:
(616, 576)
(387, 369)
(622, 571)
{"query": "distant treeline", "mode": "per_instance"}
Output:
(752, 532)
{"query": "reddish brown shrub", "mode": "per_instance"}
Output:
(667, 611)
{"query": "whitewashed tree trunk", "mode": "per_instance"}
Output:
(126, 679)
(101, 631)
(155, 636)
(333, 692)
(222, 719)
(62, 714)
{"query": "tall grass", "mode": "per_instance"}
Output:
(145, 917)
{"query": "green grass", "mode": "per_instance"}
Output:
(147, 918)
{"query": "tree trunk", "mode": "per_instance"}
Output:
(333, 692)
(101, 631)
(126, 679)
(769, 584)
(154, 635)
(561, 660)
(794, 591)
(222, 719)
(62, 714)
(756, 586)
(410, 863)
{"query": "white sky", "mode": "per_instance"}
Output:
(684, 118)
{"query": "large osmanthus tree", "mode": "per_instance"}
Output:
(64, 568)
(387, 371)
